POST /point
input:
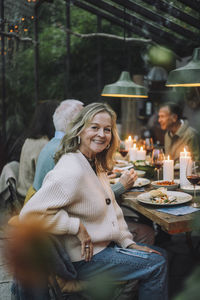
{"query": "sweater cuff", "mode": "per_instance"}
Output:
(127, 242)
(118, 189)
(73, 226)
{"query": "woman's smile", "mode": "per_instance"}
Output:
(97, 136)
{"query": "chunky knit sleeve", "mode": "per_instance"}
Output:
(50, 203)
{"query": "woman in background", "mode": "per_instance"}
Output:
(39, 132)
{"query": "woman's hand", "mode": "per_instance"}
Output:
(128, 178)
(86, 244)
(143, 248)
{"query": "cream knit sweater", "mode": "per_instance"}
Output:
(72, 193)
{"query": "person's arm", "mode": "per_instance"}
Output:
(49, 203)
(126, 181)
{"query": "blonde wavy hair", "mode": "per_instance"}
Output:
(103, 160)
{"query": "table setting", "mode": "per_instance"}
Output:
(179, 195)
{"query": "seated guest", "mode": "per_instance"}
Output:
(179, 134)
(77, 204)
(37, 135)
(62, 116)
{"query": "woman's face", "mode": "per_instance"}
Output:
(97, 136)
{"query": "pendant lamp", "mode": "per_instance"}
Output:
(187, 76)
(124, 87)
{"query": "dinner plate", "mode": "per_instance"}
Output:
(140, 173)
(123, 168)
(190, 189)
(168, 187)
(138, 183)
(121, 163)
(180, 198)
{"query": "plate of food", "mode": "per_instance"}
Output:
(168, 184)
(162, 197)
(122, 163)
(138, 183)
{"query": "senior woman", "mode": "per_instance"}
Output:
(76, 201)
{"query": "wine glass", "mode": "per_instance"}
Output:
(149, 145)
(157, 160)
(193, 176)
(122, 149)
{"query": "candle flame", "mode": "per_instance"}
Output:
(134, 146)
(141, 148)
(168, 157)
(129, 138)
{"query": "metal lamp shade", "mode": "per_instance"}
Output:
(124, 87)
(188, 75)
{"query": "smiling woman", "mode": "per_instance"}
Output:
(77, 203)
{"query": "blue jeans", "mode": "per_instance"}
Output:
(129, 264)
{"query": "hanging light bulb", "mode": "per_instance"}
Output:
(187, 76)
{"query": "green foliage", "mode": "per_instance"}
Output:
(83, 81)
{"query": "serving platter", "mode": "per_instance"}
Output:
(169, 185)
(177, 198)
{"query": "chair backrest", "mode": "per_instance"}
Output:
(8, 183)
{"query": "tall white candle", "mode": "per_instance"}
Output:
(141, 154)
(168, 169)
(128, 143)
(185, 153)
(185, 160)
(133, 153)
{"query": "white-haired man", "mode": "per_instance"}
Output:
(62, 116)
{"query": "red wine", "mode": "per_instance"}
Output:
(123, 152)
(193, 179)
(158, 164)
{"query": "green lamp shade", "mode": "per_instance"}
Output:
(124, 87)
(188, 75)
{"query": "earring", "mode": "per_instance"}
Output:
(108, 146)
(79, 139)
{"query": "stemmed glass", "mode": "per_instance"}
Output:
(157, 160)
(149, 145)
(122, 149)
(193, 175)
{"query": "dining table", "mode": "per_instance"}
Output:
(170, 223)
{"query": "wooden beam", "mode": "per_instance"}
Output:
(174, 11)
(3, 72)
(114, 20)
(158, 19)
(195, 4)
(164, 36)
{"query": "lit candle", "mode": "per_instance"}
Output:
(185, 159)
(168, 169)
(133, 153)
(128, 143)
(141, 154)
(185, 153)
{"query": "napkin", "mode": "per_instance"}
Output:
(136, 189)
(179, 211)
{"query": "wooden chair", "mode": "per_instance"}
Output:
(62, 288)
